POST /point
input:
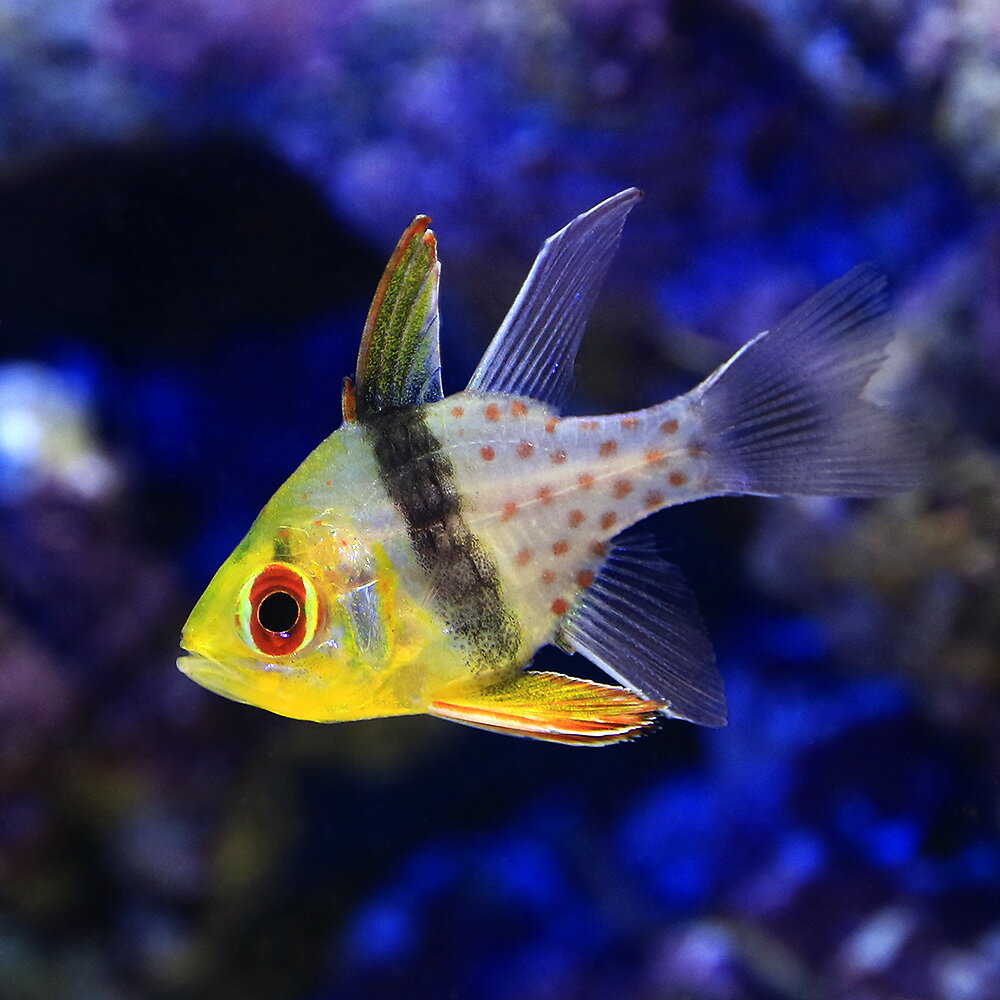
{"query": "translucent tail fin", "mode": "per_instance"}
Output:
(786, 415)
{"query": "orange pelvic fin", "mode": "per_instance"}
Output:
(550, 706)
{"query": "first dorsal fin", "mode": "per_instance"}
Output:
(639, 623)
(533, 352)
(399, 363)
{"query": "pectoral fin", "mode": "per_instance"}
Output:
(549, 706)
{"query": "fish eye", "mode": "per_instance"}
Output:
(278, 610)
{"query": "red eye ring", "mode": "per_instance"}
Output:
(278, 598)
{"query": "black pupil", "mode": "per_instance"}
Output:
(278, 612)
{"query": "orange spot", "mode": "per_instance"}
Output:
(589, 425)
(550, 425)
(599, 549)
(654, 499)
(509, 510)
(518, 409)
(525, 449)
(329, 482)
(558, 457)
(584, 578)
(523, 557)
(488, 453)
(560, 606)
(622, 489)
(457, 411)
(317, 523)
(576, 518)
(560, 548)
(548, 576)
(630, 423)
(586, 481)
(545, 494)
(696, 449)
(305, 496)
(654, 455)
(678, 478)
(670, 426)
(608, 448)
(492, 412)
(608, 520)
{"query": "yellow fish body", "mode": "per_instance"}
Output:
(424, 551)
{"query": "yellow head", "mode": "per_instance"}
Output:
(296, 622)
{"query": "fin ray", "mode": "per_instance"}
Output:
(786, 414)
(552, 707)
(639, 623)
(533, 352)
(399, 362)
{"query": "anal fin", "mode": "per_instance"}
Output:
(550, 706)
(639, 624)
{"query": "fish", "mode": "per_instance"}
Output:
(423, 553)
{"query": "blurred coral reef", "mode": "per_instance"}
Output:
(196, 197)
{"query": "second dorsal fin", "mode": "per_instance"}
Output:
(399, 363)
(533, 352)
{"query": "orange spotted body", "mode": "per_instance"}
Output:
(421, 555)
(547, 494)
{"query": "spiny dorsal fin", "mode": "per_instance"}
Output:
(535, 348)
(399, 363)
(349, 400)
(639, 623)
(549, 706)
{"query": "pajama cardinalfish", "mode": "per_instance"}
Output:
(419, 557)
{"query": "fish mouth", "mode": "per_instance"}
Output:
(210, 674)
(239, 682)
(194, 665)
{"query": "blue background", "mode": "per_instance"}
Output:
(196, 202)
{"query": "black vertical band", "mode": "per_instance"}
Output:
(464, 579)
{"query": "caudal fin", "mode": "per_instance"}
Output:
(786, 415)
